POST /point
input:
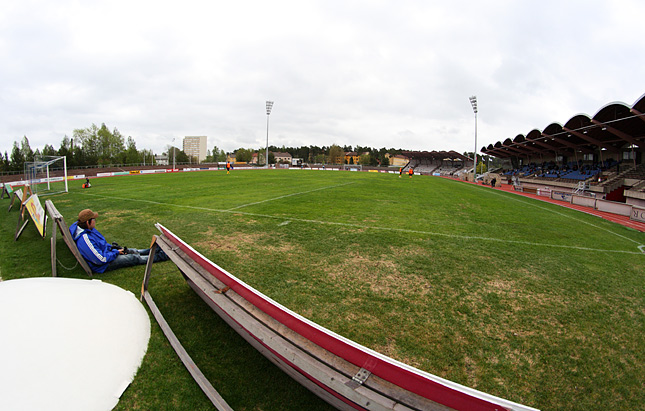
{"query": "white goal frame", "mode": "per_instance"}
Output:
(45, 170)
(353, 167)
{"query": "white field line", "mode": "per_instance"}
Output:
(288, 195)
(400, 230)
(519, 198)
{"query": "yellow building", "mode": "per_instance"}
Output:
(399, 160)
(352, 157)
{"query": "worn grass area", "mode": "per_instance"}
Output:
(521, 299)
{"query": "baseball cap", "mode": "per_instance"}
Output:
(87, 215)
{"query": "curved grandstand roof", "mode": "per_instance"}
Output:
(436, 155)
(615, 127)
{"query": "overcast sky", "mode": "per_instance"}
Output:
(352, 72)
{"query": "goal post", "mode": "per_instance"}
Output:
(353, 167)
(47, 175)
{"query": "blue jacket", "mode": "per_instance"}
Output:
(95, 250)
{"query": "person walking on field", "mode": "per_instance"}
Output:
(400, 171)
(228, 167)
(410, 172)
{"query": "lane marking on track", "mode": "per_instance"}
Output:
(289, 195)
(399, 230)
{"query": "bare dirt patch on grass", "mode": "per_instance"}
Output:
(239, 243)
(381, 274)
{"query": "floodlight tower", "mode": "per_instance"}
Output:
(173, 155)
(473, 102)
(269, 107)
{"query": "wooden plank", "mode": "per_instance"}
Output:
(57, 218)
(406, 377)
(185, 358)
(188, 267)
(198, 376)
(320, 371)
(53, 246)
(319, 359)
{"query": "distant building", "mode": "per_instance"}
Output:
(161, 160)
(399, 160)
(351, 157)
(282, 158)
(195, 146)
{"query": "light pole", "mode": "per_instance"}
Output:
(266, 156)
(473, 102)
(173, 155)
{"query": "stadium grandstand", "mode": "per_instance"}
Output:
(444, 163)
(599, 156)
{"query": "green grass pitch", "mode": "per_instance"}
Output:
(522, 299)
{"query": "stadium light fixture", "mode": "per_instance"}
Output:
(266, 157)
(473, 102)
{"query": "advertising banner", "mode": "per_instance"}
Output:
(638, 214)
(37, 213)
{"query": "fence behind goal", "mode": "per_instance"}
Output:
(47, 175)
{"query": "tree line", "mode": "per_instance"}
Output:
(333, 154)
(100, 146)
(89, 146)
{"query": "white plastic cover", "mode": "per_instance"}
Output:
(68, 344)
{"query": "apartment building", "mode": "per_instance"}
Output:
(195, 147)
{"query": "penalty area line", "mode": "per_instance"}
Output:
(399, 230)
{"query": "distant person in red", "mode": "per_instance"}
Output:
(410, 172)
(228, 167)
(400, 171)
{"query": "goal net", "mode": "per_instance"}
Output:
(47, 175)
(353, 167)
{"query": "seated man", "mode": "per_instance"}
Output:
(99, 254)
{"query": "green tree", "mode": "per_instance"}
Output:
(4, 164)
(48, 150)
(131, 154)
(88, 140)
(64, 150)
(17, 158)
(243, 155)
(26, 150)
(336, 154)
(179, 156)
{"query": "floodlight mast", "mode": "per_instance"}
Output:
(173, 155)
(266, 156)
(473, 102)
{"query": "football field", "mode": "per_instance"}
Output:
(521, 299)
